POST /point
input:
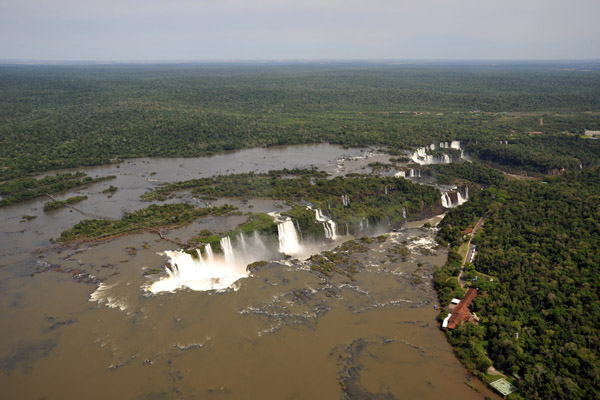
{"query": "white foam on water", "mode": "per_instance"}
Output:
(105, 294)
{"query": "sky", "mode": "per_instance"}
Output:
(203, 30)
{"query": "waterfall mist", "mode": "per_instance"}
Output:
(210, 271)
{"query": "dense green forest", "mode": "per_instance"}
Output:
(68, 116)
(541, 314)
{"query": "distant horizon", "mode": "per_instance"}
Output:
(374, 61)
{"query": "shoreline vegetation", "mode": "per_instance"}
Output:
(167, 215)
(23, 189)
(539, 316)
(56, 204)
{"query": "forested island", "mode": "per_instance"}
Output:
(533, 175)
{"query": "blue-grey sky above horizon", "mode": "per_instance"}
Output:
(123, 30)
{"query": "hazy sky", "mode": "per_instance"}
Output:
(300, 29)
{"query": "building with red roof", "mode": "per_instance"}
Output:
(461, 312)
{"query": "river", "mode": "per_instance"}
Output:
(78, 322)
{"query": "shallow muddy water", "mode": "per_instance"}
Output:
(78, 322)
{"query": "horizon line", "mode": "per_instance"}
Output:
(19, 61)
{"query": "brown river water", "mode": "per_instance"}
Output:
(78, 322)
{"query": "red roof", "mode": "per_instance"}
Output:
(461, 312)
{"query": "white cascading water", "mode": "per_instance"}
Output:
(345, 200)
(400, 174)
(210, 271)
(200, 259)
(242, 241)
(404, 212)
(330, 230)
(227, 250)
(209, 253)
(328, 225)
(460, 199)
(288, 237)
(421, 157)
(185, 271)
(446, 201)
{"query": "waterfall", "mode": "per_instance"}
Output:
(332, 229)
(362, 228)
(414, 173)
(211, 271)
(446, 201)
(461, 196)
(400, 174)
(345, 200)
(200, 259)
(462, 199)
(347, 230)
(319, 215)
(242, 241)
(420, 155)
(386, 189)
(209, 253)
(197, 274)
(404, 212)
(227, 250)
(329, 226)
(288, 238)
